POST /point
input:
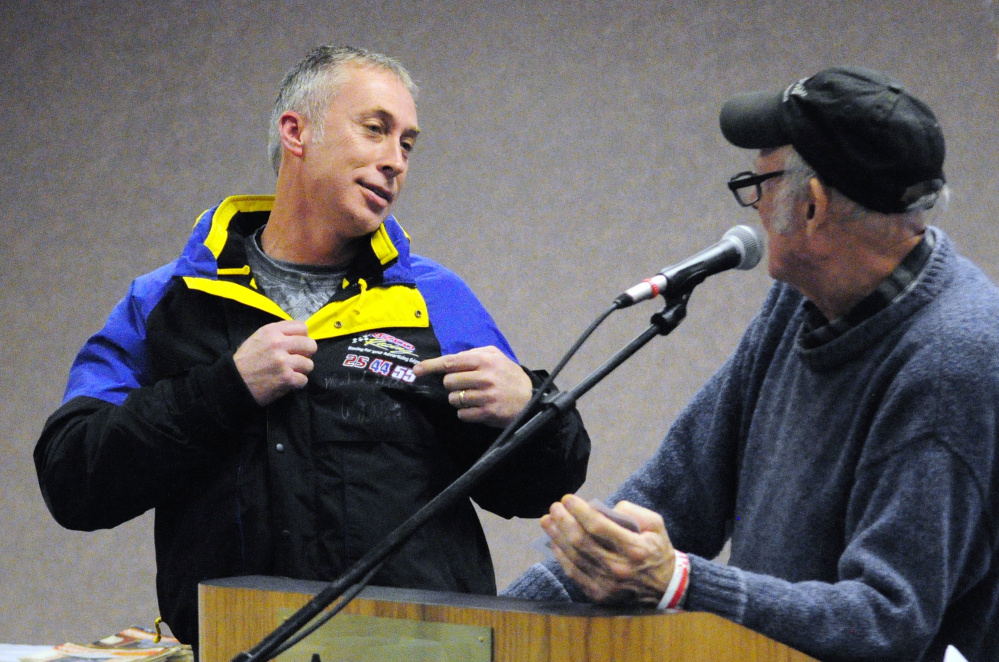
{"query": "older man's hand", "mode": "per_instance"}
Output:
(611, 564)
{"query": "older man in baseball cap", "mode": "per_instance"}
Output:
(849, 448)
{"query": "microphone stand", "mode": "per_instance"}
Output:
(662, 323)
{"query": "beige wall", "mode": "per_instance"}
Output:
(569, 150)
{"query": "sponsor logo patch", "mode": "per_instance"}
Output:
(386, 343)
(384, 355)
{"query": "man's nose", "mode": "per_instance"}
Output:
(394, 161)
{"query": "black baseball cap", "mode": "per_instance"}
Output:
(858, 128)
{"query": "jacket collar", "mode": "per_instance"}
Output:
(210, 249)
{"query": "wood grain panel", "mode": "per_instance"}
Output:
(236, 614)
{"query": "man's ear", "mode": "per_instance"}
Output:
(817, 201)
(292, 129)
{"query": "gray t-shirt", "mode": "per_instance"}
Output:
(300, 289)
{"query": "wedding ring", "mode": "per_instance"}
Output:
(461, 399)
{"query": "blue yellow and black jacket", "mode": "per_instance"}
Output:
(156, 416)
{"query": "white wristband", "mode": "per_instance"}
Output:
(677, 587)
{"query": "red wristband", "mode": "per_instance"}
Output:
(677, 588)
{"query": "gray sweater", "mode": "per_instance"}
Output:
(857, 480)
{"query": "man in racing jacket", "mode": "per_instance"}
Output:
(286, 430)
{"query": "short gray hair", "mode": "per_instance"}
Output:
(794, 187)
(792, 190)
(315, 80)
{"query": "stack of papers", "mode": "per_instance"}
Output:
(130, 645)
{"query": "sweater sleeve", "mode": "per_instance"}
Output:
(690, 479)
(895, 578)
(695, 511)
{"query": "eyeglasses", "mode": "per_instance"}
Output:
(752, 181)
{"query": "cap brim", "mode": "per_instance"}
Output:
(755, 120)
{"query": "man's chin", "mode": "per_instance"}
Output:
(364, 226)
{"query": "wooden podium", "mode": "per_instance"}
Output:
(235, 614)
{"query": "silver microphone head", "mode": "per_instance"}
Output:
(749, 243)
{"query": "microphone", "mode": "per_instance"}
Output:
(740, 248)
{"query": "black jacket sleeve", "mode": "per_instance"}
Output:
(101, 464)
(548, 465)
